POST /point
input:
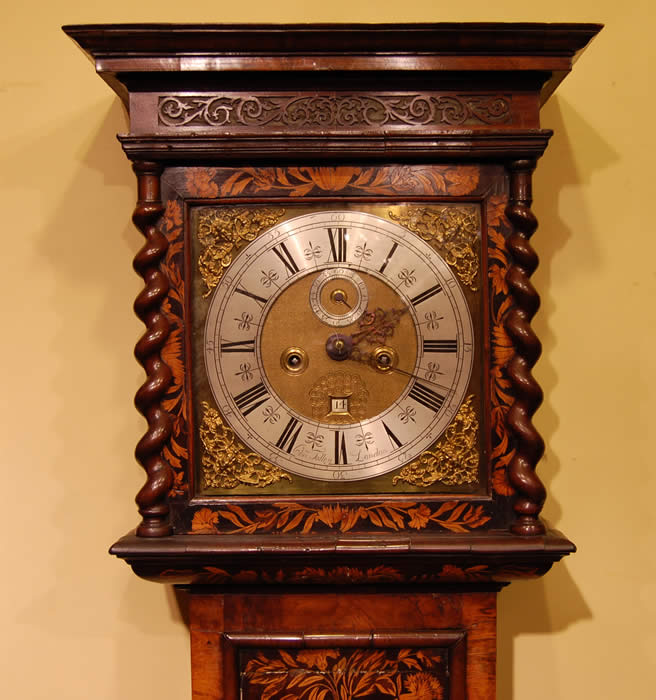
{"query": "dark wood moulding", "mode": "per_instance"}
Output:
(523, 63)
(344, 559)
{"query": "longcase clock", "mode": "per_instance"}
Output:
(340, 459)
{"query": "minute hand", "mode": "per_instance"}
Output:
(368, 358)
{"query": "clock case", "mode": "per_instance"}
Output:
(318, 115)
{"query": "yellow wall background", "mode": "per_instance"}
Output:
(77, 623)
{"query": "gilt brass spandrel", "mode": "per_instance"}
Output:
(454, 459)
(454, 231)
(227, 463)
(223, 231)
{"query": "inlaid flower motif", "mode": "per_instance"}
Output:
(205, 520)
(317, 659)
(422, 686)
(419, 516)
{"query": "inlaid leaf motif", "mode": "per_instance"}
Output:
(502, 346)
(456, 180)
(454, 516)
(341, 674)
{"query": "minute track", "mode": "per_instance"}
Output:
(337, 278)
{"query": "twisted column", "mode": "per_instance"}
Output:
(152, 498)
(529, 446)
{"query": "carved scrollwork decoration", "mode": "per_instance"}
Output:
(454, 459)
(222, 231)
(295, 112)
(453, 231)
(226, 462)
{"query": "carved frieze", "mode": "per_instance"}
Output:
(335, 112)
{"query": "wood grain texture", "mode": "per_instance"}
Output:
(302, 634)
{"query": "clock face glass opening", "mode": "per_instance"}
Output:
(338, 346)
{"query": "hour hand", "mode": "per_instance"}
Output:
(378, 325)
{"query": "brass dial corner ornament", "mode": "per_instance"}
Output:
(357, 352)
(223, 231)
(454, 459)
(454, 230)
(226, 462)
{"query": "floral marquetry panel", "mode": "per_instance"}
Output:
(343, 674)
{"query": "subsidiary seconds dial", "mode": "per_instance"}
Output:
(338, 345)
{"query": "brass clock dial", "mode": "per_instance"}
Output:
(339, 346)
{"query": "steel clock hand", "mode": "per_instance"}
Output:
(377, 360)
(377, 325)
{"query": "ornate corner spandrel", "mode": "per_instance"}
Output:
(454, 459)
(453, 231)
(226, 462)
(224, 231)
(152, 498)
(528, 394)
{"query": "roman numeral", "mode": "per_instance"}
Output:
(387, 259)
(426, 397)
(340, 448)
(288, 437)
(338, 244)
(286, 259)
(246, 293)
(238, 346)
(440, 346)
(391, 435)
(415, 301)
(250, 399)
